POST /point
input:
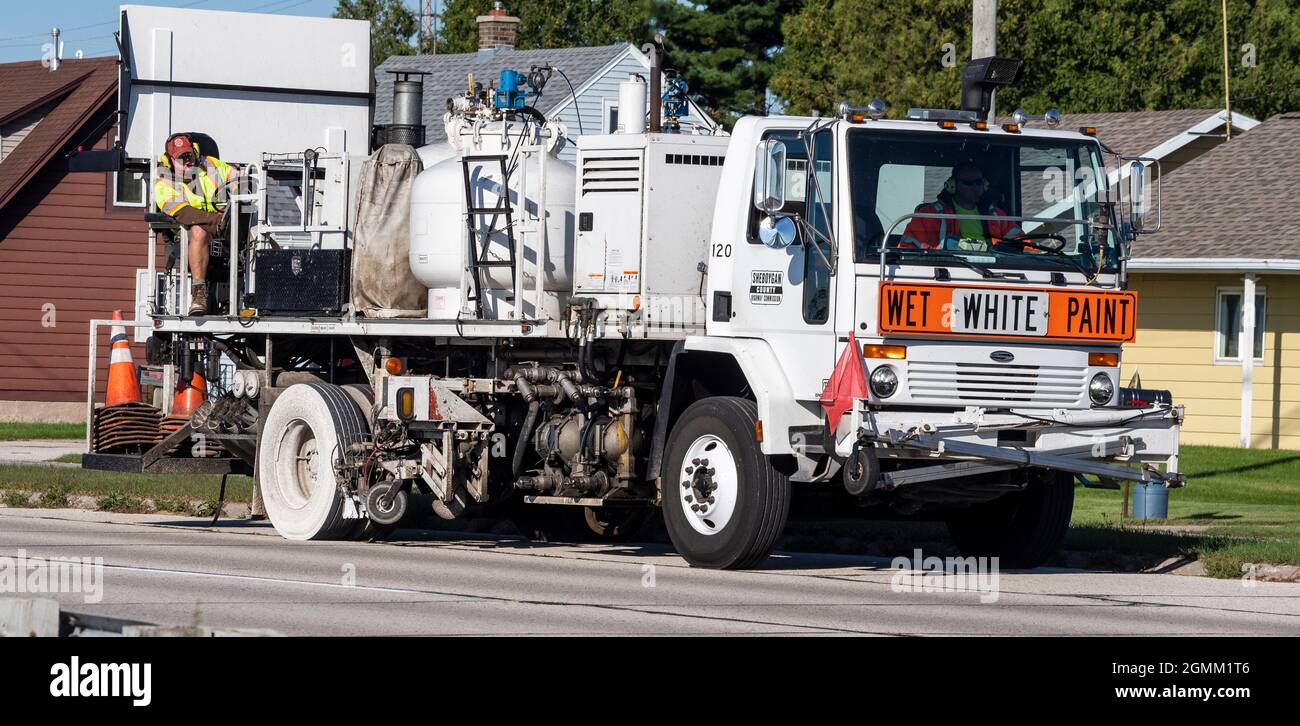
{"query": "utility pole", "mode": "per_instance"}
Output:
(1227, 97)
(984, 38)
(429, 24)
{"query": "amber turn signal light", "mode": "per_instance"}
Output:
(892, 352)
(393, 366)
(406, 403)
(1103, 360)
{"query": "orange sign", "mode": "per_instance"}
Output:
(1056, 314)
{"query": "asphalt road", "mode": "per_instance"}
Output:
(238, 575)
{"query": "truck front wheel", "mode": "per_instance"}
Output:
(725, 505)
(1022, 529)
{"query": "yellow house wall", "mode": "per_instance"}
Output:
(1175, 349)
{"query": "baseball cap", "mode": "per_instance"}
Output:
(178, 145)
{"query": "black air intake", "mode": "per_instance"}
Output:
(408, 112)
(980, 77)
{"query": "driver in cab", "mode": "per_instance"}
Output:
(963, 193)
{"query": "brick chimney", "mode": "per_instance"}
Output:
(497, 28)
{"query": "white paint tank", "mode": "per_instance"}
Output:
(439, 232)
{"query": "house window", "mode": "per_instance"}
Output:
(1227, 325)
(129, 185)
(611, 117)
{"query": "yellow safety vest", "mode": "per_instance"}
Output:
(172, 194)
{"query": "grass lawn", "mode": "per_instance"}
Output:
(41, 479)
(17, 431)
(1239, 506)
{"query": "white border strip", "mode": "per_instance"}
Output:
(1225, 265)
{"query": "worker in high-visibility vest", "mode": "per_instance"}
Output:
(963, 194)
(191, 188)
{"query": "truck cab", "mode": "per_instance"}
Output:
(987, 322)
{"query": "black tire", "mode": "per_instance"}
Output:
(761, 497)
(1024, 529)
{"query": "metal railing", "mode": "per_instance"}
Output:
(884, 241)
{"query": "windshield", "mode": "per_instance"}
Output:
(1009, 179)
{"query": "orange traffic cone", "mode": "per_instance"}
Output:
(123, 385)
(190, 397)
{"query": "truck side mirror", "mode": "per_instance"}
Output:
(1136, 194)
(777, 232)
(769, 176)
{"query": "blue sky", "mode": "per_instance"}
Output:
(88, 25)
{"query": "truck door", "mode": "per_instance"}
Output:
(786, 296)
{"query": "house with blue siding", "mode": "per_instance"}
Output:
(582, 94)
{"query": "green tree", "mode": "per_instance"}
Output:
(392, 25)
(1128, 55)
(724, 49)
(549, 23)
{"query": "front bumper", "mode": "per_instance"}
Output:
(1138, 444)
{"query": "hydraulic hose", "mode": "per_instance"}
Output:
(530, 420)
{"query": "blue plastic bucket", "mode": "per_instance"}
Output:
(1150, 501)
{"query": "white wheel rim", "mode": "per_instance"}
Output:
(708, 484)
(299, 462)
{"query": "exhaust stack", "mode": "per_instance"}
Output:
(656, 52)
(408, 112)
(54, 55)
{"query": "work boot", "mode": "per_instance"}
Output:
(198, 298)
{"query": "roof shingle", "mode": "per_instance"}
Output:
(80, 86)
(1234, 200)
(1131, 133)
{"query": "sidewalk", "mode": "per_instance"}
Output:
(39, 451)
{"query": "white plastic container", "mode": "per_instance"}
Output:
(632, 105)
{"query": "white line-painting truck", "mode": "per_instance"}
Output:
(927, 311)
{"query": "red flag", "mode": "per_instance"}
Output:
(848, 382)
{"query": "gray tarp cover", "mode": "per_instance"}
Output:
(382, 283)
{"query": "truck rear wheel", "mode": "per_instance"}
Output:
(1022, 529)
(309, 427)
(724, 503)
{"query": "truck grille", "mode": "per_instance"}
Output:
(979, 383)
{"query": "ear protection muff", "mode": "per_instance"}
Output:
(950, 185)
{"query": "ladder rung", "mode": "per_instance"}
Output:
(490, 210)
(494, 263)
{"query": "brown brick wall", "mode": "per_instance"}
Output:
(494, 30)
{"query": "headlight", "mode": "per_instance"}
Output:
(1101, 389)
(884, 381)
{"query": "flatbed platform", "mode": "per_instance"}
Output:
(403, 327)
(135, 464)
